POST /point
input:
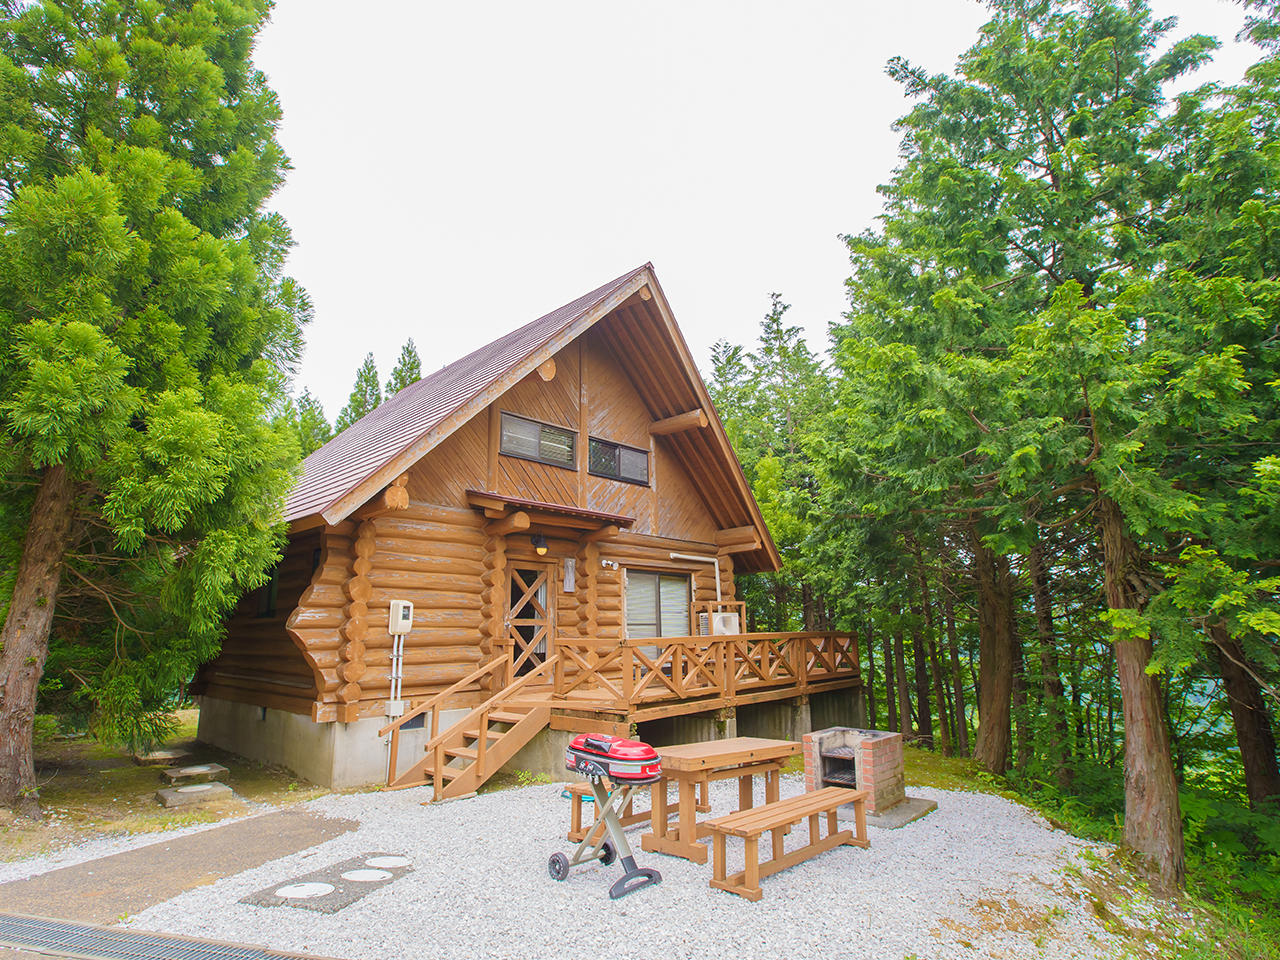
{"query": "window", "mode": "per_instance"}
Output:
(538, 441)
(607, 459)
(657, 604)
(267, 594)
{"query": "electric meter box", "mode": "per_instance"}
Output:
(401, 620)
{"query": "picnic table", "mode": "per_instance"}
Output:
(693, 766)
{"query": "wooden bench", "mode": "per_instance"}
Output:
(777, 817)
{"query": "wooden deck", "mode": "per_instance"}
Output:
(631, 681)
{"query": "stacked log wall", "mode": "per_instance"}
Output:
(437, 558)
(264, 661)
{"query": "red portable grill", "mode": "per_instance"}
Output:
(629, 764)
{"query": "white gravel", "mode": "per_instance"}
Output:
(979, 877)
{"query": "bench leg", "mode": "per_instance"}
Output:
(859, 838)
(813, 829)
(718, 857)
(751, 878)
(576, 832)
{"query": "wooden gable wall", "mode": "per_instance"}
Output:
(436, 553)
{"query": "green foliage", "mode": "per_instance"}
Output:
(408, 370)
(366, 396)
(150, 328)
(770, 400)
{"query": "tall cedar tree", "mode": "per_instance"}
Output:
(148, 329)
(408, 370)
(366, 396)
(1034, 193)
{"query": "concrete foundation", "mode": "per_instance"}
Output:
(776, 720)
(690, 728)
(344, 755)
(334, 755)
(544, 755)
(837, 708)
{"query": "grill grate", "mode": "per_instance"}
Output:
(841, 776)
(847, 753)
(101, 943)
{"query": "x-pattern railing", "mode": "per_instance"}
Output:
(625, 673)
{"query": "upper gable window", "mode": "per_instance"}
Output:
(538, 441)
(606, 459)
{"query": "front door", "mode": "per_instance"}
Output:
(529, 618)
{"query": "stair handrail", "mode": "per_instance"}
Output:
(434, 706)
(435, 745)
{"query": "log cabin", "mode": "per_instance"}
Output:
(564, 513)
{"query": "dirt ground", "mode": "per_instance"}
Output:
(90, 790)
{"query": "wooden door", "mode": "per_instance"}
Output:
(530, 624)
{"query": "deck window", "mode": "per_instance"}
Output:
(606, 459)
(538, 441)
(657, 604)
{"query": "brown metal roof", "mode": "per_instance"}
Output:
(351, 468)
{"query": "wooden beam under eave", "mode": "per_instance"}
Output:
(733, 535)
(513, 524)
(694, 419)
(604, 533)
(306, 523)
(745, 547)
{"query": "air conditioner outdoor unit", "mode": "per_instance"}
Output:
(725, 624)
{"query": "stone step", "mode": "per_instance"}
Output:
(200, 773)
(162, 758)
(192, 794)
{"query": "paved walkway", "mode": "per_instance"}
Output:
(104, 890)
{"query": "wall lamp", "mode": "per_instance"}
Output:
(539, 543)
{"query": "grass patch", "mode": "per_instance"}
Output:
(90, 790)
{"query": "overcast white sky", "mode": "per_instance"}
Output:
(462, 167)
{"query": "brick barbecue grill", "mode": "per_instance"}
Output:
(869, 760)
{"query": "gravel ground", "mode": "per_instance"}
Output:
(979, 877)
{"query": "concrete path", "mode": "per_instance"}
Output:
(105, 890)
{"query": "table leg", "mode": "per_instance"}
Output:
(688, 813)
(658, 808)
(745, 791)
(681, 839)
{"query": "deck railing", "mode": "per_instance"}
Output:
(623, 674)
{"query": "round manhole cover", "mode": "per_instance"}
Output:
(201, 769)
(366, 876)
(196, 788)
(388, 862)
(304, 891)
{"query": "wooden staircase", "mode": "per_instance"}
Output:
(461, 758)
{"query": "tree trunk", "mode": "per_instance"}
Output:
(870, 681)
(24, 639)
(900, 672)
(935, 672)
(1021, 707)
(1252, 720)
(891, 703)
(995, 657)
(808, 608)
(1049, 667)
(919, 650)
(957, 675)
(1152, 817)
